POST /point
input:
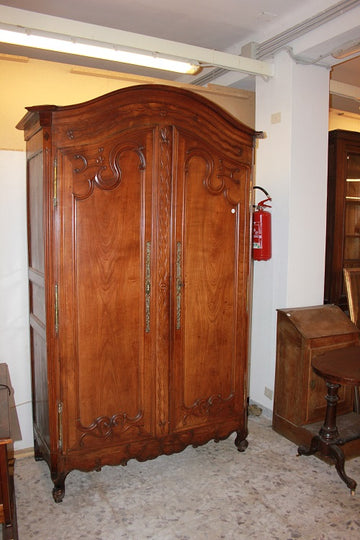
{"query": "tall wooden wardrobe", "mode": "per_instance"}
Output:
(139, 228)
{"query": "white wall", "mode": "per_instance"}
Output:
(14, 333)
(292, 109)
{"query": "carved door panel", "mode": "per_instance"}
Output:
(107, 376)
(210, 269)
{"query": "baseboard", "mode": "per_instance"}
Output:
(24, 452)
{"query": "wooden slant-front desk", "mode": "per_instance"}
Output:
(299, 396)
(7, 493)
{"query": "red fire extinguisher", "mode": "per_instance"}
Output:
(261, 247)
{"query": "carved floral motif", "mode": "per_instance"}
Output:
(211, 406)
(104, 427)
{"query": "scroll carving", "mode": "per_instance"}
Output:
(228, 179)
(209, 168)
(234, 177)
(211, 406)
(104, 427)
(107, 174)
(84, 163)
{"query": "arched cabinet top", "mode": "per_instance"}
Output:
(140, 103)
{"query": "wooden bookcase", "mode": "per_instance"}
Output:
(343, 213)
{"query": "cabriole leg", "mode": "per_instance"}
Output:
(240, 442)
(58, 491)
(37, 452)
(338, 456)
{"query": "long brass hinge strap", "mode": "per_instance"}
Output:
(55, 184)
(56, 309)
(60, 425)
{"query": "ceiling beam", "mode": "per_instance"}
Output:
(344, 90)
(119, 38)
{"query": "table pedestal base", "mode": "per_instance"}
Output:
(327, 442)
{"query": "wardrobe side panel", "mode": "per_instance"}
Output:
(36, 256)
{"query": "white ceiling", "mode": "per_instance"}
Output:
(224, 25)
(216, 24)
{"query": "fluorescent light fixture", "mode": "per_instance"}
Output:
(159, 52)
(103, 51)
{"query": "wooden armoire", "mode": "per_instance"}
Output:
(139, 208)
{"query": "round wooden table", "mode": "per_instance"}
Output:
(337, 367)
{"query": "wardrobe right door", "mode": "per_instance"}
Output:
(210, 269)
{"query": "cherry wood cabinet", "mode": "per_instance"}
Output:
(139, 228)
(343, 213)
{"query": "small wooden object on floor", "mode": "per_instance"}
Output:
(338, 367)
(7, 493)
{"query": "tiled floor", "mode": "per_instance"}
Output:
(206, 493)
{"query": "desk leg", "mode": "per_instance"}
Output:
(5, 484)
(328, 439)
(7, 496)
(329, 431)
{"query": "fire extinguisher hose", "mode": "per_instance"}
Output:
(262, 204)
(262, 189)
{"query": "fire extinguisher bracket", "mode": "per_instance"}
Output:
(262, 204)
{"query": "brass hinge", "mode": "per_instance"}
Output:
(55, 184)
(56, 309)
(60, 426)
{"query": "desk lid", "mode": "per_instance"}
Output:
(320, 321)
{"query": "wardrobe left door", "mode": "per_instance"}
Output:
(106, 306)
